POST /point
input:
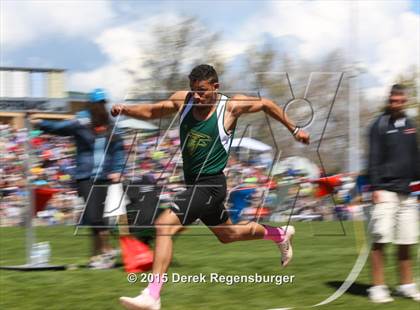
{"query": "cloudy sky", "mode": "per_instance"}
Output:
(98, 40)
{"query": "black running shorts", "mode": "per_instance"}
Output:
(203, 199)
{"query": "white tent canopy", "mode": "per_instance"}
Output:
(302, 164)
(136, 124)
(251, 144)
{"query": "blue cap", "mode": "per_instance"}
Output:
(97, 95)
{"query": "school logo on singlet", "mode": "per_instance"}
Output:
(197, 139)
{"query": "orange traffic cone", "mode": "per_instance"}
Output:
(136, 255)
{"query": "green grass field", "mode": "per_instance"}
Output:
(323, 259)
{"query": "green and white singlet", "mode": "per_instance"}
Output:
(205, 144)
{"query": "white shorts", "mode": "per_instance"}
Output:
(394, 219)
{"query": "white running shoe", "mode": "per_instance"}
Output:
(286, 245)
(408, 291)
(379, 294)
(102, 261)
(142, 302)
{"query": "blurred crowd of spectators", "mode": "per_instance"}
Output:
(50, 164)
(45, 161)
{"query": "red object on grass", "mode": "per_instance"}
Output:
(42, 196)
(136, 255)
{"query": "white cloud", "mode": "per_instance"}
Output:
(318, 25)
(126, 48)
(387, 33)
(121, 46)
(112, 77)
(23, 22)
(230, 49)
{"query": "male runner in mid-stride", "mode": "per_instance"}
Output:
(207, 123)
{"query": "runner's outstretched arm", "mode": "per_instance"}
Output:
(240, 104)
(152, 110)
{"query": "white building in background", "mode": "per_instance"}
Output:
(40, 89)
(32, 88)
